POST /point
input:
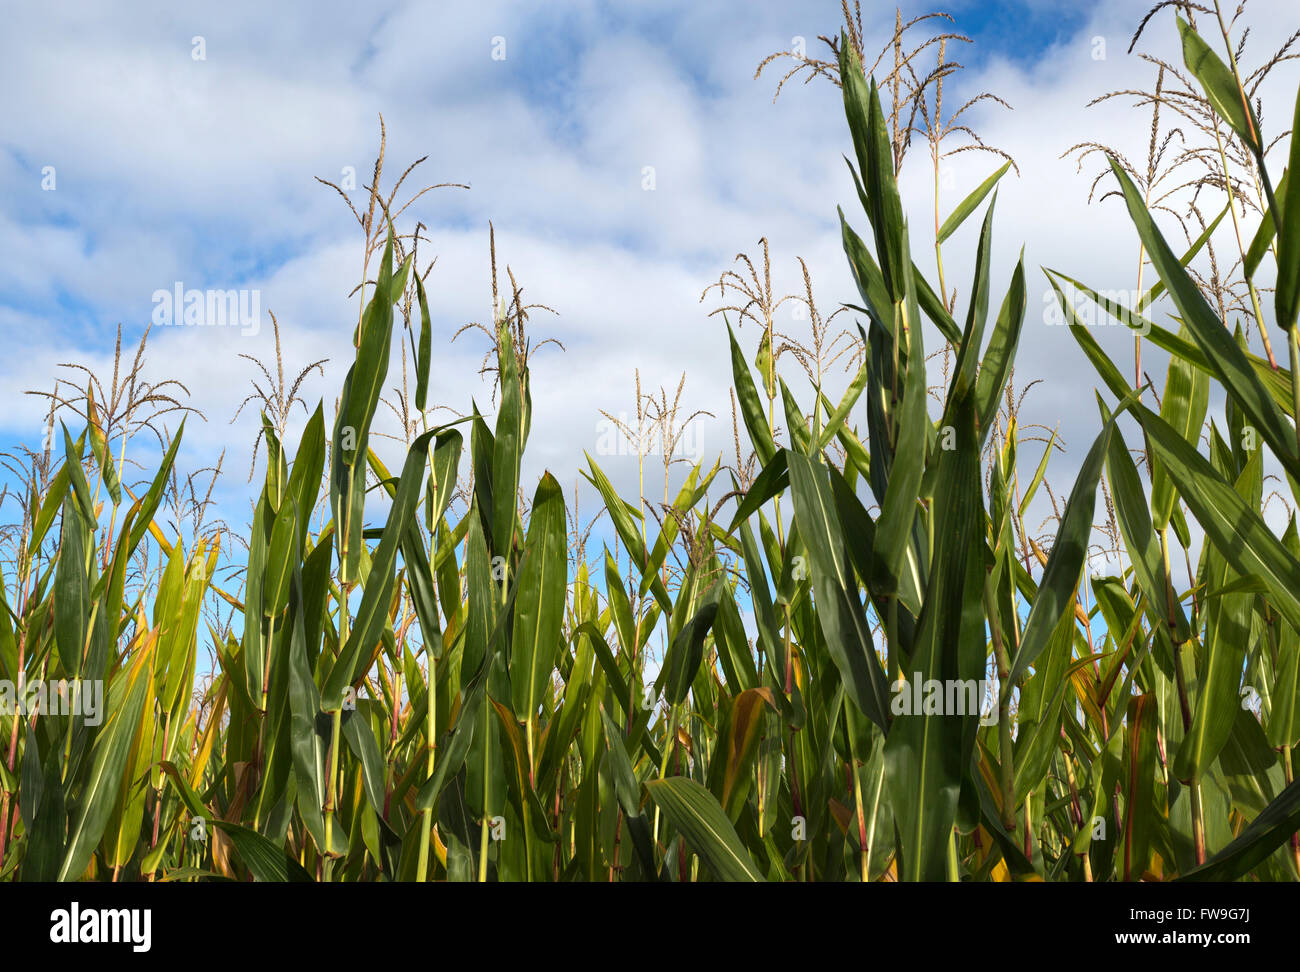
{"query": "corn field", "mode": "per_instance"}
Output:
(416, 675)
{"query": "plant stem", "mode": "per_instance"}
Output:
(1293, 343)
(851, 725)
(1006, 753)
(426, 824)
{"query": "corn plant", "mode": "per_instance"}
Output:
(422, 678)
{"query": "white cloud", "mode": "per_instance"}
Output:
(172, 169)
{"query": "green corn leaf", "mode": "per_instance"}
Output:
(518, 772)
(751, 410)
(305, 476)
(769, 638)
(446, 462)
(1039, 472)
(76, 475)
(1065, 562)
(686, 651)
(968, 352)
(968, 205)
(1139, 536)
(925, 753)
(1221, 88)
(423, 351)
(1260, 243)
(800, 436)
(112, 751)
(1228, 362)
(279, 568)
(1276, 381)
(620, 607)
(360, 398)
(692, 491)
(1001, 352)
(735, 756)
(1138, 786)
(870, 281)
(1223, 654)
(771, 481)
(71, 586)
(898, 511)
(149, 504)
(696, 813)
(539, 607)
(264, 860)
(507, 449)
(934, 309)
(1184, 403)
(628, 791)
(102, 450)
(624, 519)
(876, 163)
(308, 732)
(836, 419)
(1265, 834)
(52, 501)
(839, 609)
(1234, 528)
(764, 363)
(455, 743)
(44, 813)
(1286, 294)
(1284, 718)
(375, 599)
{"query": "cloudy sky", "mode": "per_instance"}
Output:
(624, 152)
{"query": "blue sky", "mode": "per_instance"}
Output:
(171, 169)
(1021, 30)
